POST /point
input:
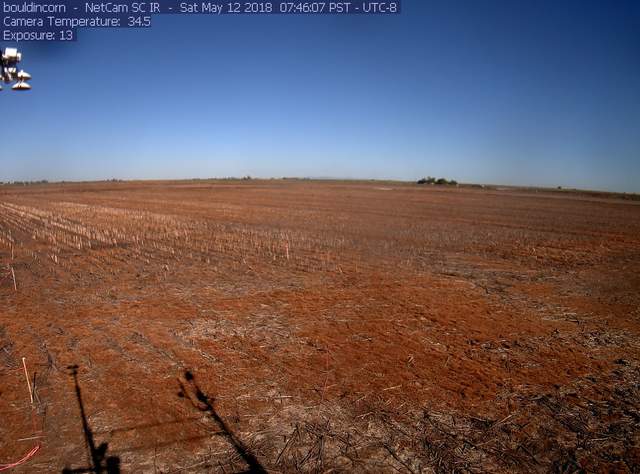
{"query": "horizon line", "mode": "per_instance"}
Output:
(487, 186)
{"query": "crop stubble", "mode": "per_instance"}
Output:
(329, 325)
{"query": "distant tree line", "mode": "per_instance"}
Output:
(25, 183)
(437, 181)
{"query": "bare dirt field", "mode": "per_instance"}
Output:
(289, 326)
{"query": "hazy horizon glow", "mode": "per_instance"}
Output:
(540, 93)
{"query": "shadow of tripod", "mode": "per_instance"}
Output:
(100, 463)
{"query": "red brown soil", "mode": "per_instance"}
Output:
(359, 327)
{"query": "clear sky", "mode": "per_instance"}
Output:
(534, 92)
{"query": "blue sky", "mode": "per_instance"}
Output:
(533, 92)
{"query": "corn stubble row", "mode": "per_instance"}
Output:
(63, 231)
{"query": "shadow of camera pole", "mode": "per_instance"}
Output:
(100, 463)
(200, 401)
